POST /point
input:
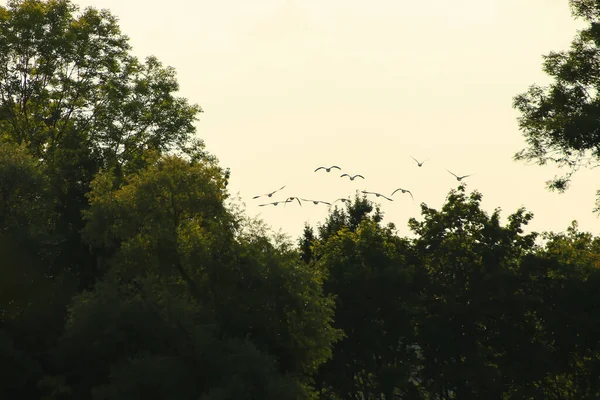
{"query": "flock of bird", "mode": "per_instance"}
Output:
(352, 178)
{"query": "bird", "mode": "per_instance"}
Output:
(377, 194)
(420, 164)
(273, 203)
(345, 201)
(352, 177)
(317, 201)
(403, 191)
(269, 194)
(291, 199)
(328, 169)
(459, 178)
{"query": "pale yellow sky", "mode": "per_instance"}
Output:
(289, 85)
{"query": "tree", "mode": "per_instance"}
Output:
(73, 101)
(184, 293)
(369, 274)
(32, 294)
(22, 372)
(74, 96)
(568, 283)
(64, 75)
(103, 181)
(560, 121)
(473, 316)
(470, 308)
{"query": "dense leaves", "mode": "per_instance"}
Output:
(560, 121)
(183, 294)
(74, 96)
(469, 308)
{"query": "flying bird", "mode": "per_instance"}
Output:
(317, 201)
(345, 201)
(291, 199)
(377, 194)
(269, 194)
(352, 177)
(419, 163)
(274, 203)
(403, 191)
(459, 178)
(328, 169)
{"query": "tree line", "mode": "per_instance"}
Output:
(127, 273)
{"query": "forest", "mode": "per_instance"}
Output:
(127, 273)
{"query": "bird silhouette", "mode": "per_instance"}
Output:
(459, 178)
(352, 177)
(291, 199)
(269, 194)
(317, 201)
(419, 163)
(377, 194)
(345, 201)
(403, 191)
(328, 169)
(273, 203)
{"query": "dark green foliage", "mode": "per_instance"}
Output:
(74, 96)
(467, 309)
(110, 205)
(226, 312)
(375, 303)
(470, 300)
(23, 369)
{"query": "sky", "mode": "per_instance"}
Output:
(290, 85)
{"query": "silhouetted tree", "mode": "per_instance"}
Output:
(560, 121)
(220, 313)
(72, 93)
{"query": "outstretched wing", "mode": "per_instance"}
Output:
(269, 194)
(395, 192)
(452, 173)
(335, 166)
(359, 176)
(319, 168)
(275, 191)
(408, 191)
(343, 175)
(387, 198)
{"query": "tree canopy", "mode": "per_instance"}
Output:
(560, 120)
